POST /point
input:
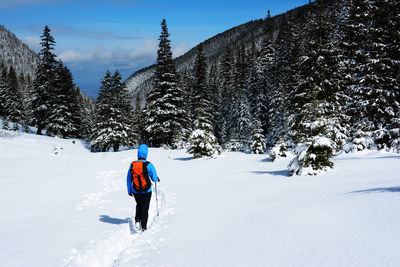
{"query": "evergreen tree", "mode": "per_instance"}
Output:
(258, 145)
(241, 126)
(380, 82)
(266, 68)
(202, 142)
(3, 91)
(318, 98)
(200, 94)
(26, 89)
(138, 122)
(278, 150)
(101, 127)
(187, 85)
(13, 99)
(44, 82)
(225, 95)
(164, 111)
(214, 100)
(280, 103)
(254, 86)
(113, 124)
(65, 118)
(121, 114)
(372, 65)
(87, 116)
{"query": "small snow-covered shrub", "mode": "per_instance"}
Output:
(395, 142)
(258, 145)
(232, 145)
(279, 150)
(359, 143)
(203, 143)
(312, 157)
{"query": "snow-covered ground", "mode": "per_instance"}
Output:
(64, 206)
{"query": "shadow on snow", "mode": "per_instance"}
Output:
(284, 173)
(379, 190)
(108, 219)
(116, 221)
(357, 158)
(184, 159)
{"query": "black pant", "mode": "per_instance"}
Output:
(142, 208)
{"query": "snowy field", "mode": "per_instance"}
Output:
(64, 206)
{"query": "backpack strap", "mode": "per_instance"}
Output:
(146, 171)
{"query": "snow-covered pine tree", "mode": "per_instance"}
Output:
(319, 95)
(293, 79)
(13, 99)
(164, 111)
(381, 71)
(372, 48)
(186, 82)
(137, 121)
(241, 125)
(214, 100)
(393, 50)
(101, 125)
(3, 88)
(112, 127)
(279, 150)
(200, 92)
(64, 119)
(225, 93)
(280, 103)
(44, 82)
(258, 145)
(121, 114)
(267, 68)
(254, 85)
(26, 86)
(87, 118)
(202, 142)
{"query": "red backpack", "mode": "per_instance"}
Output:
(140, 176)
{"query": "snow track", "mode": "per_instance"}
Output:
(125, 244)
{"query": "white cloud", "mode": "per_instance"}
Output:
(179, 50)
(33, 42)
(121, 58)
(147, 48)
(74, 56)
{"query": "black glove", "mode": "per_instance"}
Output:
(158, 179)
(131, 194)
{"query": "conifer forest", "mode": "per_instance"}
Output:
(320, 79)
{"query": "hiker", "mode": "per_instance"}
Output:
(139, 185)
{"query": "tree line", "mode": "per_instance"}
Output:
(324, 81)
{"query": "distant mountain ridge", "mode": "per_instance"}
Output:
(13, 52)
(141, 82)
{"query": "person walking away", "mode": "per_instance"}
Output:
(139, 185)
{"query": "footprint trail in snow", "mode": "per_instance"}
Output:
(124, 244)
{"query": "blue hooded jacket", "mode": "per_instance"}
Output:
(142, 156)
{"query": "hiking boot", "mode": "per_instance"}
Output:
(138, 226)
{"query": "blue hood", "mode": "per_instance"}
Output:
(143, 151)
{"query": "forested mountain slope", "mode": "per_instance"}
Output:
(13, 52)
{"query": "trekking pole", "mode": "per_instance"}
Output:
(158, 213)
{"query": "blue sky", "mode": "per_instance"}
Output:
(95, 35)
